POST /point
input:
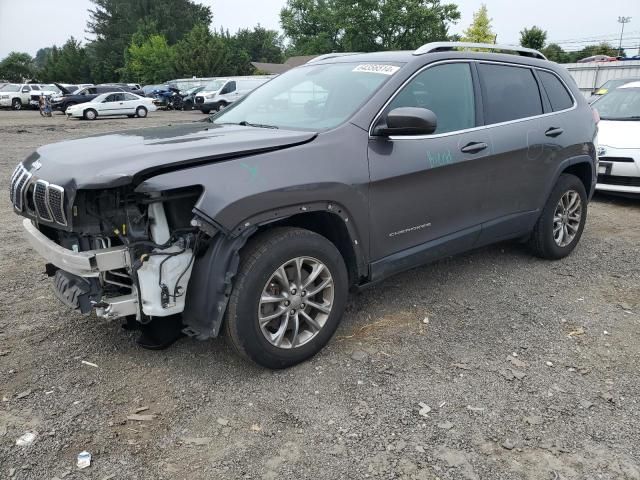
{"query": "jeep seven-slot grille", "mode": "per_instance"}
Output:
(40, 200)
(19, 181)
(46, 198)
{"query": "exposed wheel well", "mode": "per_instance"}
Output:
(583, 171)
(330, 226)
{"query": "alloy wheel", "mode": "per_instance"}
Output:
(567, 218)
(296, 302)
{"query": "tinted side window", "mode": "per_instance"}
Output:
(446, 90)
(128, 96)
(510, 93)
(558, 96)
(92, 91)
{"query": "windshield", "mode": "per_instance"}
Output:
(10, 87)
(310, 97)
(620, 104)
(214, 85)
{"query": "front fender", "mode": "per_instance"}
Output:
(256, 189)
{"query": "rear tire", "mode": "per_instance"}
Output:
(16, 104)
(141, 112)
(562, 221)
(289, 338)
(90, 114)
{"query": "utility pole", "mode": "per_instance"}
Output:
(622, 20)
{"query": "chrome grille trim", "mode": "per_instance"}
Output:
(18, 185)
(11, 184)
(55, 201)
(40, 200)
(47, 198)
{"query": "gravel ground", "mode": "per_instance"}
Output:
(489, 365)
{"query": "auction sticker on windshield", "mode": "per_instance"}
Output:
(374, 68)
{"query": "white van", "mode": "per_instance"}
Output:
(221, 92)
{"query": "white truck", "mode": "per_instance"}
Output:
(17, 95)
(223, 91)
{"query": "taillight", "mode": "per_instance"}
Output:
(596, 115)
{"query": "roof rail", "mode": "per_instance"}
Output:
(448, 46)
(327, 56)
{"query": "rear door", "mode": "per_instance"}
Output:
(431, 187)
(516, 173)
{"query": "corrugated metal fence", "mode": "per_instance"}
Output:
(590, 76)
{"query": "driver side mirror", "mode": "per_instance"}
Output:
(407, 121)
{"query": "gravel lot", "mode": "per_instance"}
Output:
(490, 365)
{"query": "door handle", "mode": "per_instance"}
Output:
(554, 132)
(474, 147)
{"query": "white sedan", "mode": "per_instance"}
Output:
(619, 140)
(114, 103)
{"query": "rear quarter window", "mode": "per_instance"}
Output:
(558, 95)
(509, 93)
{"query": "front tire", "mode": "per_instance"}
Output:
(90, 114)
(562, 221)
(16, 104)
(288, 297)
(141, 112)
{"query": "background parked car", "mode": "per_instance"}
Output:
(18, 96)
(189, 97)
(598, 58)
(619, 140)
(168, 98)
(113, 103)
(222, 92)
(83, 95)
(608, 86)
(127, 87)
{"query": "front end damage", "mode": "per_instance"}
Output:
(128, 254)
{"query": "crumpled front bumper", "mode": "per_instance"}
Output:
(83, 264)
(89, 264)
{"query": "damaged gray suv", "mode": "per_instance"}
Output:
(334, 175)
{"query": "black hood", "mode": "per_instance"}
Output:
(126, 157)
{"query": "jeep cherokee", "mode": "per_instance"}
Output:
(332, 176)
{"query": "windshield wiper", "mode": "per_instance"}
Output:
(244, 123)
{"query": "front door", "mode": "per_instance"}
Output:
(430, 187)
(113, 105)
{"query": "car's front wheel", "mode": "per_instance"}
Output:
(141, 112)
(288, 297)
(16, 104)
(90, 114)
(562, 221)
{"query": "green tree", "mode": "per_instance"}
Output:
(151, 61)
(261, 44)
(114, 22)
(201, 54)
(66, 64)
(323, 26)
(480, 29)
(533, 37)
(17, 67)
(41, 57)
(555, 53)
